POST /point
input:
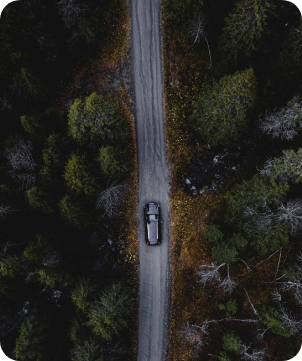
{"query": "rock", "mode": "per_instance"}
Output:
(194, 193)
(192, 189)
(188, 181)
(109, 241)
(203, 189)
(214, 185)
(233, 168)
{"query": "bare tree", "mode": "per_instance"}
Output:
(51, 259)
(110, 199)
(277, 270)
(253, 307)
(249, 353)
(285, 123)
(267, 258)
(261, 216)
(20, 156)
(69, 11)
(286, 167)
(210, 274)
(289, 321)
(273, 124)
(6, 246)
(5, 104)
(24, 180)
(295, 286)
(260, 334)
(291, 214)
(228, 285)
(194, 335)
(267, 168)
(197, 30)
(5, 210)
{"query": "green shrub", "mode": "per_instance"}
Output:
(213, 233)
(223, 356)
(221, 307)
(224, 253)
(231, 342)
(231, 307)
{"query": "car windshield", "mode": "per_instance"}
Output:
(153, 217)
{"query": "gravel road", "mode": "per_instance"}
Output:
(154, 280)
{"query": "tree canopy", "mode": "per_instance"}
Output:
(109, 315)
(38, 198)
(245, 26)
(30, 343)
(77, 175)
(96, 118)
(221, 111)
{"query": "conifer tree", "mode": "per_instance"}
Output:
(109, 315)
(30, 343)
(245, 27)
(221, 111)
(77, 175)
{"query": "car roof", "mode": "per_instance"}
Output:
(153, 208)
(152, 232)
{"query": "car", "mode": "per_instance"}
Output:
(152, 224)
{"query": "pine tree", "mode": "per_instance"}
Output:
(73, 211)
(38, 198)
(77, 175)
(109, 315)
(213, 233)
(245, 27)
(11, 266)
(111, 165)
(81, 293)
(221, 111)
(30, 343)
(288, 167)
(271, 320)
(96, 118)
(224, 253)
(26, 85)
(181, 11)
(50, 277)
(250, 193)
(36, 248)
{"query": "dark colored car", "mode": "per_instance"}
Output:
(152, 224)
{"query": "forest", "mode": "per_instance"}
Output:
(233, 80)
(68, 264)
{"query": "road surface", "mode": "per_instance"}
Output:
(154, 280)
